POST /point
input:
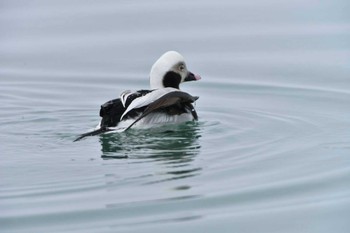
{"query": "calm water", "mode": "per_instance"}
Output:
(270, 152)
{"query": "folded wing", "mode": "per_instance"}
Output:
(147, 99)
(168, 100)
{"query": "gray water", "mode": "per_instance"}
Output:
(270, 152)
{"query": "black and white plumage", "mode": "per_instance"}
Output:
(163, 104)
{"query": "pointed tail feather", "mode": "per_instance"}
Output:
(92, 133)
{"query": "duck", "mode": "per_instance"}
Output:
(164, 103)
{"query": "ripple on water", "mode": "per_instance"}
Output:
(262, 151)
(269, 154)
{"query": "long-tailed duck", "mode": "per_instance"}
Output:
(165, 103)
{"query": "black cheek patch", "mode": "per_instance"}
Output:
(171, 79)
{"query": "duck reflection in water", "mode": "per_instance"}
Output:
(175, 146)
(162, 143)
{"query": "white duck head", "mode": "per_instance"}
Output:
(169, 71)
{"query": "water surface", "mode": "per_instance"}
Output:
(270, 152)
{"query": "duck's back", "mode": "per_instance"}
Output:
(112, 110)
(143, 108)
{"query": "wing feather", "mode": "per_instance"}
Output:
(124, 96)
(168, 100)
(147, 99)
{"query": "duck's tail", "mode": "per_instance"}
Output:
(92, 133)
